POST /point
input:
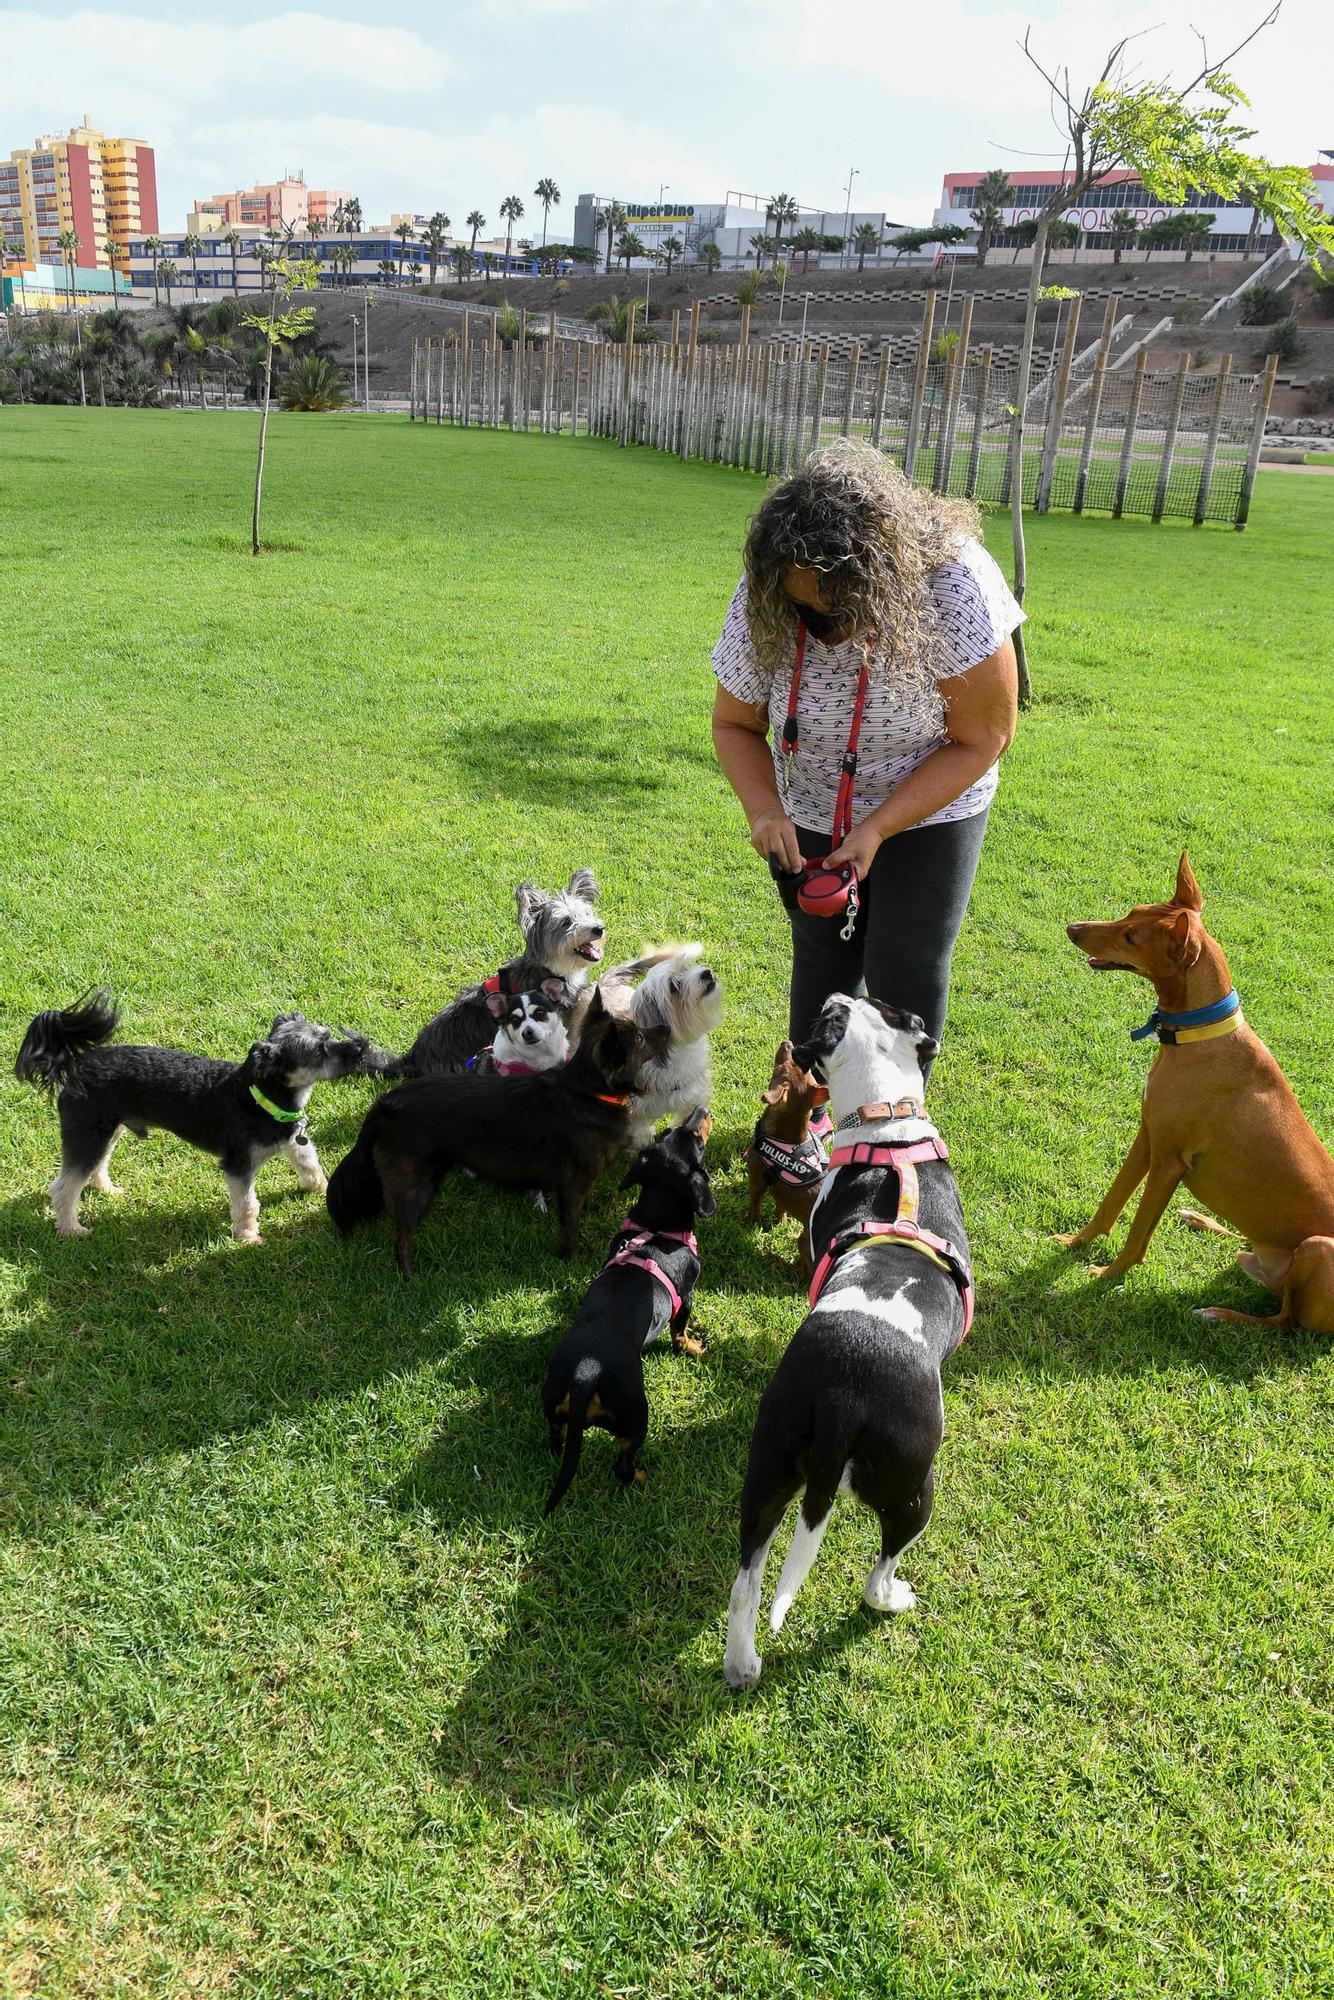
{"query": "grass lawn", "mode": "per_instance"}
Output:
(1320, 458)
(298, 1694)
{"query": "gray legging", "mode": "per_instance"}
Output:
(912, 905)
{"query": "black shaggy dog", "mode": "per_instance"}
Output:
(243, 1113)
(562, 942)
(556, 1131)
(596, 1372)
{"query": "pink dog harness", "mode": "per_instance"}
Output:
(799, 1162)
(905, 1227)
(631, 1253)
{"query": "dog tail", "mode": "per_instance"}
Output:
(356, 1193)
(835, 1430)
(55, 1040)
(582, 1391)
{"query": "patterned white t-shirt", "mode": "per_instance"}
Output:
(977, 613)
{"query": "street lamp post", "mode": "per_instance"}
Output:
(805, 304)
(782, 293)
(355, 384)
(366, 349)
(847, 213)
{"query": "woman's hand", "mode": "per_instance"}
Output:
(860, 848)
(773, 835)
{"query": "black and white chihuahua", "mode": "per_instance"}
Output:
(242, 1113)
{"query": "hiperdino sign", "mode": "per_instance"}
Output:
(652, 211)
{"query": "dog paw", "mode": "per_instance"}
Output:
(893, 1594)
(687, 1343)
(539, 1200)
(106, 1187)
(742, 1673)
(318, 1186)
(249, 1236)
(641, 1477)
(71, 1229)
(1206, 1312)
(1072, 1239)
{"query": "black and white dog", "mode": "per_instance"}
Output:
(243, 1113)
(856, 1400)
(562, 942)
(532, 1036)
(596, 1372)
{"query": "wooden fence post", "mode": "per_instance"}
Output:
(744, 338)
(979, 424)
(1128, 441)
(1170, 436)
(1211, 442)
(757, 440)
(953, 399)
(919, 384)
(1051, 444)
(676, 326)
(1095, 401)
(1257, 439)
(627, 373)
(686, 419)
(849, 401)
(412, 384)
(881, 386)
(817, 411)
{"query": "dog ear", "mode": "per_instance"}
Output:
(928, 1048)
(263, 1059)
(655, 1039)
(530, 903)
(820, 1096)
(554, 990)
(584, 883)
(774, 1094)
(1187, 891)
(634, 1173)
(702, 1194)
(497, 1005)
(1183, 939)
(597, 1007)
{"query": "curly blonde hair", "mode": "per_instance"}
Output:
(873, 537)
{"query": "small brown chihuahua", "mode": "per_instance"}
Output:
(1217, 1113)
(784, 1157)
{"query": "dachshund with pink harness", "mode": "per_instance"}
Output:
(856, 1401)
(595, 1377)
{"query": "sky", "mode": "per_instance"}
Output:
(416, 107)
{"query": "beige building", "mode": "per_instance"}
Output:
(269, 205)
(103, 188)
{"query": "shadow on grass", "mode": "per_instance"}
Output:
(552, 760)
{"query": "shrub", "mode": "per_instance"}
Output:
(749, 289)
(312, 383)
(1188, 310)
(1259, 305)
(562, 287)
(1321, 284)
(1285, 340)
(1318, 395)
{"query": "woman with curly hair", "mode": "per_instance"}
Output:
(871, 630)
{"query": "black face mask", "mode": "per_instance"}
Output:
(822, 624)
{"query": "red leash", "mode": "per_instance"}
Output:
(847, 778)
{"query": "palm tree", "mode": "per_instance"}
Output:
(352, 217)
(386, 268)
(68, 241)
(807, 240)
(463, 260)
(613, 217)
(476, 221)
(169, 274)
(781, 210)
(865, 237)
(669, 250)
(404, 235)
(113, 250)
(511, 208)
(192, 246)
(629, 245)
(314, 227)
(547, 193)
(1123, 232)
(991, 199)
(710, 256)
(12, 251)
(233, 241)
(153, 245)
(614, 316)
(759, 244)
(433, 236)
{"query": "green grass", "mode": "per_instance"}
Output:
(1319, 458)
(298, 1695)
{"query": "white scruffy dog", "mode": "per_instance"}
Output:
(686, 997)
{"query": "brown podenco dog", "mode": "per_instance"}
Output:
(1219, 1114)
(783, 1157)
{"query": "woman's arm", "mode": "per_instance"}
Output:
(741, 740)
(980, 714)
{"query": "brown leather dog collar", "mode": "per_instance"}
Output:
(876, 1114)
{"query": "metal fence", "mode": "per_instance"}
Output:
(1096, 435)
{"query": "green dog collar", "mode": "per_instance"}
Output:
(275, 1110)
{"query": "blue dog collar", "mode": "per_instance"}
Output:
(1166, 1025)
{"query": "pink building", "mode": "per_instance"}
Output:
(270, 205)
